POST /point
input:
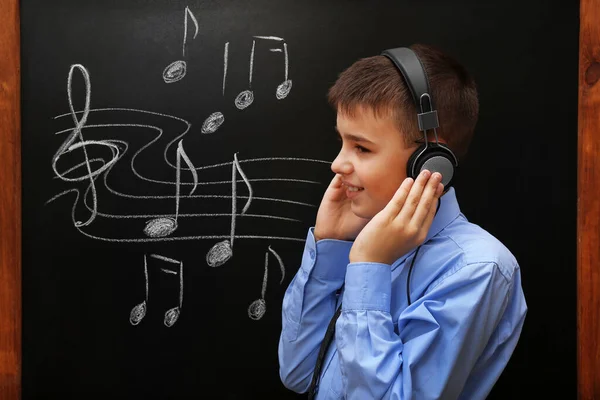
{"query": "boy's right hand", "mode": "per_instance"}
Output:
(335, 219)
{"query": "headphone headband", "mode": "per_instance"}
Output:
(415, 76)
(431, 156)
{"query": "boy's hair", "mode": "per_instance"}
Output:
(376, 83)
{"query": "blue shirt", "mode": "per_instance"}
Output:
(452, 342)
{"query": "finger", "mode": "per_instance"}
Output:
(412, 201)
(427, 201)
(426, 224)
(395, 205)
(434, 206)
(429, 219)
(336, 188)
(440, 189)
(336, 181)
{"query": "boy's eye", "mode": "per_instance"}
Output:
(361, 149)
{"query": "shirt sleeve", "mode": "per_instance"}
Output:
(308, 305)
(439, 337)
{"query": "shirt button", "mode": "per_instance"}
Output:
(311, 252)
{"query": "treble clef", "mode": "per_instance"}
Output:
(68, 146)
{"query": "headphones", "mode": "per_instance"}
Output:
(433, 156)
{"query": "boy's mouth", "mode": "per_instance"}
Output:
(352, 188)
(352, 191)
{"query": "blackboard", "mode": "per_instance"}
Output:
(90, 267)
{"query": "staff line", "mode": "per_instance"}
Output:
(170, 238)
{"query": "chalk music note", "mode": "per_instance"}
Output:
(177, 69)
(284, 88)
(223, 251)
(68, 146)
(172, 315)
(216, 119)
(258, 307)
(164, 226)
(213, 122)
(225, 62)
(246, 97)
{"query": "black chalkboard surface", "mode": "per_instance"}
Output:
(175, 153)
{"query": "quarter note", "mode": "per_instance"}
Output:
(216, 119)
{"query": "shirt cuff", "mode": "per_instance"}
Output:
(368, 287)
(326, 259)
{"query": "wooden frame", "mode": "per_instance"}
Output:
(10, 201)
(588, 204)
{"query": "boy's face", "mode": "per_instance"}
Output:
(373, 159)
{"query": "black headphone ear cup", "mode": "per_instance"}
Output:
(412, 160)
(436, 157)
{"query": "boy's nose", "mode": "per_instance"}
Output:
(341, 165)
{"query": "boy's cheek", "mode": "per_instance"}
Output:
(376, 205)
(382, 198)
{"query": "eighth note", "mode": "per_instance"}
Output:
(164, 226)
(223, 251)
(172, 315)
(258, 307)
(177, 69)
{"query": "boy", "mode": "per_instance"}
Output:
(431, 304)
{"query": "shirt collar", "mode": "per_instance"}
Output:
(447, 213)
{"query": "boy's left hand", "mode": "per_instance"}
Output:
(403, 223)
